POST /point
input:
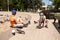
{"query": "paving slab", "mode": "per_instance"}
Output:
(31, 32)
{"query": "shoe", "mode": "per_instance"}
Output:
(13, 32)
(46, 26)
(39, 27)
(20, 31)
(35, 22)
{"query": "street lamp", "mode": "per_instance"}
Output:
(8, 4)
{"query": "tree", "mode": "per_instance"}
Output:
(4, 5)
(20, 4)
(34, 3)
(56, 3)
(0, 4)
(14, 3)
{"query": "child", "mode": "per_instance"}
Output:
(13, 20)
(42, 20)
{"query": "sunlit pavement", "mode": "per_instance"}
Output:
(32, 33)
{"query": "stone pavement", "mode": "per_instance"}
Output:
(32, 33)
(6, 35)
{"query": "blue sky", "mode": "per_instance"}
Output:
(47, 2)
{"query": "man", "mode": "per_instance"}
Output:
(42, 21)
(42, 18)
(13, 20)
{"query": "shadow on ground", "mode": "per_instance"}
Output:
(57, 26)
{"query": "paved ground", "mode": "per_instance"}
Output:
(32, 33)
(6, 35)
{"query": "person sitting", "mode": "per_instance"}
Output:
(42, 21)
(13, 20)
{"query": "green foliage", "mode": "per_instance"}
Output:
(20, 4)
(4, 4)
(56, 3)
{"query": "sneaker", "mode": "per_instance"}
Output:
(46, 26)
(13, 32)
(39, 27)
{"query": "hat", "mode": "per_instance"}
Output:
(13, 11)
